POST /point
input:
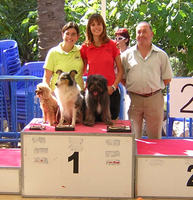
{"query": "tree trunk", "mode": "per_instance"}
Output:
(51, 18)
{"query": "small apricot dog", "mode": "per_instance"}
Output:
(69, 97)
(48, 103)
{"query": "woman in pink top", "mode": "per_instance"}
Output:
(101, 55)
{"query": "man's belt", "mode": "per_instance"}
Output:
(146, 95)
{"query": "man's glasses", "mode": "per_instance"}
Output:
(120, 38)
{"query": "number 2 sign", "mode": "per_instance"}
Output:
(181, 97)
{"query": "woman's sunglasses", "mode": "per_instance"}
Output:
(120, 38)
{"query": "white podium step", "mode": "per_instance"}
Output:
(164, 168)
(10, 163)
(90, 162)
(87, 162)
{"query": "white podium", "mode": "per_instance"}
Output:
(87, 162)
(164, 168)
(10, 164)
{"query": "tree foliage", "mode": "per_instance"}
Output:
(18, 22)
(171, 21)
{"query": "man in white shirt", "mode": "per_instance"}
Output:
(147, 71)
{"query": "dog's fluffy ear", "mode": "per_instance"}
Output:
(42, 85)
(59, 71)
(90, 79)
(73, 73)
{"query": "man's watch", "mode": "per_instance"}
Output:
(114, 88)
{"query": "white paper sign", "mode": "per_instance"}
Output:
(181, 97)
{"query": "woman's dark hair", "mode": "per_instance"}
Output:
(71, 25)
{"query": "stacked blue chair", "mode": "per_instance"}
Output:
(122, 102)
(9, 65)
(16, 92)
(4, 44)
(9, 57)
(12, 136)
(6, 135)
(2, 108)
(24, 101)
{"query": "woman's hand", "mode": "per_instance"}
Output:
(110, 90)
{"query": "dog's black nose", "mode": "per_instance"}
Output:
(56, 84)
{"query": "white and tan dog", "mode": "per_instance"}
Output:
(48, 103)
(69, 98)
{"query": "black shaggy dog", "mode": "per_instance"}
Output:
(97, 101)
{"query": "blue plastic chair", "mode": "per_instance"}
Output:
(23, 100)
(9, 57)
(122, 102)
(12, 135)
(33, 69)
(9, 65)
(3, 113)
(6, 44)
